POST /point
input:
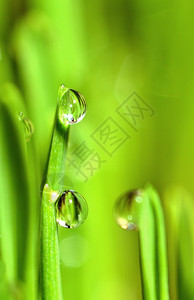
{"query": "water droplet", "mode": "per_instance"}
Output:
(72, 106)
(126, 209)
(71, 209)
(27, 126)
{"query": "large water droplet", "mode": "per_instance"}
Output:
(27, 126)
(126, 209)
(71, 209)
(72, 106)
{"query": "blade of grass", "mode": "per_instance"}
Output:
(153, 258)
(141, 209)
(50, 267)
(160, 240)
(15, 196)
(178, 206)
(31, 44)
(147, 250)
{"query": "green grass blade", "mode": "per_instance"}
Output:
(141, 209)
(153, 252)
(31, 45)
(179, 218)
(161, 250)
(19, 197)
(147, 250)
(50, 267)
(14, 191)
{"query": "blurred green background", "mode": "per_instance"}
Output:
(107, 50)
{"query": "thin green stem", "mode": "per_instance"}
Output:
(161, 248)
(50, 266)
(147, 249)
(178, 204)
(153, 253)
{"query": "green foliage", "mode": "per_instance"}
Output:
(50, 268)
(153, 250)
(108, 49)
(19, 197)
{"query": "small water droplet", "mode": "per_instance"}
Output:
(27, 126)
(72, 106)
(71, 209)
(126, 209)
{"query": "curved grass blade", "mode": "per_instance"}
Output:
(141, 209)
(17, 196)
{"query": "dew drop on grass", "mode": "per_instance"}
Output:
(72, 106)
(126, 209)
(27, 126)
(71, 209)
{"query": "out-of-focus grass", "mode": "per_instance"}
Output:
(179, 221)
(107, 50)
(19, 230)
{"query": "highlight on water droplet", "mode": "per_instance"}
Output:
(71, 209)
(126, 210)
(71, 107)
(27, 126)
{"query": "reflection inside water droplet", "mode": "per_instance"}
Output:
(72, 106)
(27, 126)
(71, 209)
(126, 209)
